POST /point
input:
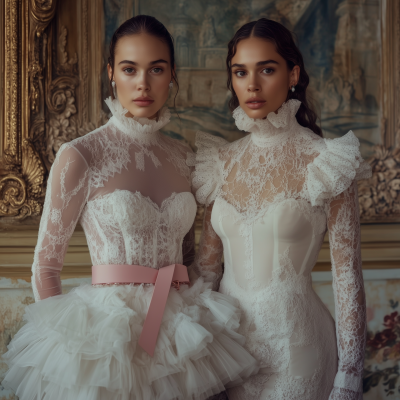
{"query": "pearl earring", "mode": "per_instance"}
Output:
(293, 88)
(171, 85)
(114, 89)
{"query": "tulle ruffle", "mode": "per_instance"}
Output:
(83, 346)
(336, 167)
(207, 177)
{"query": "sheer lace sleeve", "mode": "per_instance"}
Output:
(207, 263)
(67, 192)
(344, 237)
(188, 247)
(206, 183)
(207, 177)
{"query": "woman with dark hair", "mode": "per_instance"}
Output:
(270, 198)
(129, 186)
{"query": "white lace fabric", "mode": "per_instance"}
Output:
(270, 197)
(107, 179)
(130, 188)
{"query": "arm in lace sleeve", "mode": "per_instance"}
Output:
(188, 247)
(67, 191)
(344, 238)
(207, 263)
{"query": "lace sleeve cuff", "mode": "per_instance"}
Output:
(207, 176)
(333, 171)
(347, 381)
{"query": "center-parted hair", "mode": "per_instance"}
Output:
(285, 47)
(143, 24)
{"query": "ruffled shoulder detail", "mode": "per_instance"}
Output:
(207, 176)
(335, 168)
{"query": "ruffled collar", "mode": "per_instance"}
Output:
(143, 129)
(274, 129)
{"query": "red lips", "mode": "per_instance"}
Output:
(143, 101)
(255, 102)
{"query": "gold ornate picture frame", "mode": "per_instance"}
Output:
(50, 88)
(40, 86)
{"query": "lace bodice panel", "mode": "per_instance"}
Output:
(127, 228)
(271, 196)
(129, 186)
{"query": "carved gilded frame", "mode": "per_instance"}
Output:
(47, 97)
(50, 87)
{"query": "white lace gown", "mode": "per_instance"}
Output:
(130, 187)
(270, 198)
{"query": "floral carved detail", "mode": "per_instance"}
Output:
(32, 170)
(379, 196)
(63, 124)
(21, 187)
(66, 66)
(43, 12)
(60, 129)
(19, 194)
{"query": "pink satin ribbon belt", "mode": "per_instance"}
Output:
(174, 274)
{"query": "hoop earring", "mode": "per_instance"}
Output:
(293, 88)
(114, 89)
(171, 85)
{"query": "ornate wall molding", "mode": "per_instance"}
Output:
(60, 101)
(12, 96)
(379, 196)
(390, 72)
(47, 88)
(22, 171)
(19, 193)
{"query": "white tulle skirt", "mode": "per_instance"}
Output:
(83, 346)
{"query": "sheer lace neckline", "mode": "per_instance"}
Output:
(143, 129)
(273, 129)
(164, 204)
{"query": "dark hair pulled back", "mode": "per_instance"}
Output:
(143, 24)
(286, 47)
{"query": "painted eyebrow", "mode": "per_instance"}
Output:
(135, 63)
(258, 64)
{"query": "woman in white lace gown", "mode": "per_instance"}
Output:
(129, 186)
(270, 198)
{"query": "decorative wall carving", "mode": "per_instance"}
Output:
(63, 124)
(19, 193)
(379, 196)
(66, 65)
(25, 43)
(60, 101)
(12, 154)
(40, 97)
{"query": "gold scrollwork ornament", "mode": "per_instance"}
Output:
(19, 193)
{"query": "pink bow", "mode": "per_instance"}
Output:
(174, 274)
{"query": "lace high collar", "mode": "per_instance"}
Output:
(274, 129)
(144, 129)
